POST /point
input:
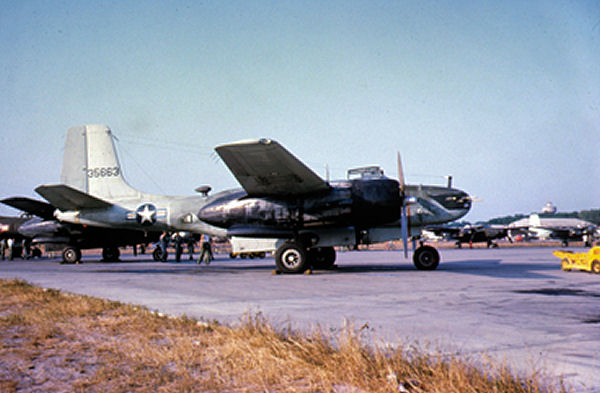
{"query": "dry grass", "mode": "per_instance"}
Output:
(52, 341)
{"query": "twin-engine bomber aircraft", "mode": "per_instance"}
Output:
(290, 209)
(283, 207)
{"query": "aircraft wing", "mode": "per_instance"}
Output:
(31, 206)
(265, 168)
(67, 198)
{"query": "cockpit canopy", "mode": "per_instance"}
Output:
(366, 172)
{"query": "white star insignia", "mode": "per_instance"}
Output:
(146, 215)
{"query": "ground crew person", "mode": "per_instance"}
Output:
(10, 242)
(3, 247)
(206, 253)
(178, 246)
(190, 246)
(164, 244)
(27, 248)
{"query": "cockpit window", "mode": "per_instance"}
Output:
(368, 172)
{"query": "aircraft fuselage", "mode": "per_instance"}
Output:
(359, 203)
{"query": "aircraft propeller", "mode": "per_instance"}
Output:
(403, 211)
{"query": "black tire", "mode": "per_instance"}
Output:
(322, 257)
(426, 258)
(157, 255)
(564, 265)
(291, 257)
(232, 255)
(110, 254)
(71, 255)
(36, 253)
(596, 267)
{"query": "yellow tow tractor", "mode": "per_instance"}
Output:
(586, 261)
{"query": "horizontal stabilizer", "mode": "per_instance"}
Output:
(265, 168)
(31, 206)
(66, 198)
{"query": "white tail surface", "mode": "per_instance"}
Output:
(91, 165)
(534, 220)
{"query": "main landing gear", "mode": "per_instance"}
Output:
(293, 257)
(426, 258)
(72, 254)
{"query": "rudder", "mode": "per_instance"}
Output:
(91, 165)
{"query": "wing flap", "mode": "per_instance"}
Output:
(66, 198)
(31, 206)
(265, 168)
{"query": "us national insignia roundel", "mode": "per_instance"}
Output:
(146, 214)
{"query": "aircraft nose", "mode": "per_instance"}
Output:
(457, 202)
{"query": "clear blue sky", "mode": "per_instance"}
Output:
(504, 95)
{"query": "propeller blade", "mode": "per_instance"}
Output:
(404, 223)
(400, 174)
(403, 210)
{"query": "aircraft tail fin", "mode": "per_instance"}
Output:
(91, 165)
(534, 220)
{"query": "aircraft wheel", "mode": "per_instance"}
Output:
(157, 255)
(322, 257)
(596, 267)
(426, 258)
(564, 265)
(110, 254)
(291, 257)
(232, 255)
(36, 253)
(71, 255)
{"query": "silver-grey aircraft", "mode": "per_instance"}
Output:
(94, 192)
(549, 227)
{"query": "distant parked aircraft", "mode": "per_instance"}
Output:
(469, 234)
(72, 238)
(563, 229)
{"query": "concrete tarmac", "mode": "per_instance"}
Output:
(512, 304)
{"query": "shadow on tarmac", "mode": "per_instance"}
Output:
(480, 267)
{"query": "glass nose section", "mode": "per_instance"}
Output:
(454, 200)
